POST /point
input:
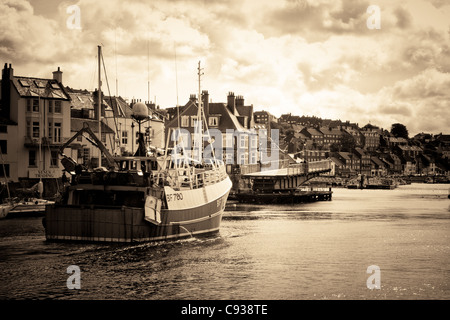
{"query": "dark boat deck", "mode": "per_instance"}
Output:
(299, 196)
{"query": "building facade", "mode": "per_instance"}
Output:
(37, 116)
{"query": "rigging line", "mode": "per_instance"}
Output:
(91, 84)
(176, 84)
(148, 69)
(110, 98)
(50, 152)
(115, 57)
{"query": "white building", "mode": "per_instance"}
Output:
(35, 122)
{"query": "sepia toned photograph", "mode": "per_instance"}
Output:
(224, 155)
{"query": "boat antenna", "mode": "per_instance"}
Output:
(148, 68)
(198, 140)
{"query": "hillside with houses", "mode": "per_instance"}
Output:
(367, 150)
(39, 115)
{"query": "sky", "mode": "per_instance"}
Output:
(378, 62)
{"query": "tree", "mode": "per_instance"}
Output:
(348, 143)
(398, 130)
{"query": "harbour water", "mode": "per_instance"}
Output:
(311, 251)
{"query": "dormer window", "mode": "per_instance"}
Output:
(185, 121)
(39, 84)
(24, 83)
(213, 121)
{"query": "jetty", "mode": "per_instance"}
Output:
(284, 185)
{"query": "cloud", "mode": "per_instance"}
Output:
(403, 18)
(299, 56)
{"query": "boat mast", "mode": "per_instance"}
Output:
(41, 166)
(199, 137)
(99, 104)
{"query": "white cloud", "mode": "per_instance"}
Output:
(305, 57)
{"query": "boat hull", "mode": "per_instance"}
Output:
(128, 224)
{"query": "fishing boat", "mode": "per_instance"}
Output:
(145, 197)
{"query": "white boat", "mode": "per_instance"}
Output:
(30, 205)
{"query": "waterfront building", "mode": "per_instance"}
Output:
(331, 135)
(35, 123)
(83, 109)
(313, 134)
(372, 136)
(264, 117)
(378, 167)
(233, 119)
(363, 157)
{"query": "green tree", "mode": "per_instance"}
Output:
(399, 130)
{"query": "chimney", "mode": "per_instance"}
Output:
(7, 76)
(57, 75)
(239, 101)
(205, 101)
(232, 102)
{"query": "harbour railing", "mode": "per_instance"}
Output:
(319, 166)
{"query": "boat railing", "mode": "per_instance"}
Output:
(191, 177)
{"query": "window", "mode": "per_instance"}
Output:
(4, 146)
(243, 159)
(39, 84)
(24, 83)
(213, 121)
(35, 128)
(4, 129)
(229, 158)
(253, 157)
(50, 131)
(193, 121)
(54, 158)
(253, 141)
(86, 155)
(124, 137)
(35, 105)
(185, 121)
(227, 140)
(58, 106)
(32, 161)
(57, 132)
(29, 105)
(50, 106)
(243, 141)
